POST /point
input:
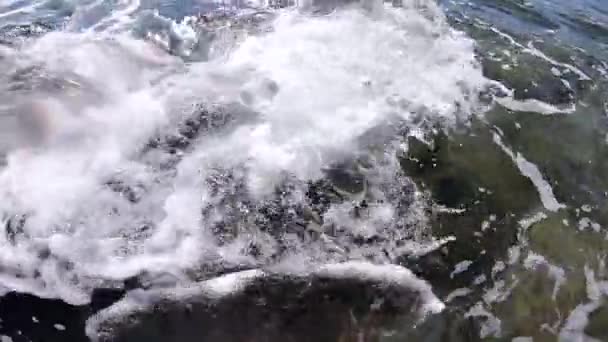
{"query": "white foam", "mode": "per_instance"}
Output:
(386, 274)
(534, 51)
(534, 106)
(529, 221)
(299, 130)
(531, 171)
(498, 267)
(514, 254)
(522, 339)
(558, 274)
(585, 223)
(460, 292)
(555, 71)
(531, 49)
(490, 326)
(499, 292)
(573, 329)
(417, 249)
(337, 77)
(461, 267)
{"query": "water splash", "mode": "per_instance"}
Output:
(148, 164)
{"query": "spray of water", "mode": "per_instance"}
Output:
(264, 139)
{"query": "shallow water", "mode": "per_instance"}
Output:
(153, 151)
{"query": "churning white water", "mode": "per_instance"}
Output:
(88, 200)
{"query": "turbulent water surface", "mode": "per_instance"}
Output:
(303, 171)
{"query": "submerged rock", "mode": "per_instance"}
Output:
(337, 302)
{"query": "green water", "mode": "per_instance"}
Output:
(537, 273)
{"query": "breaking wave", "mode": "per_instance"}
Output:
(140, 147)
